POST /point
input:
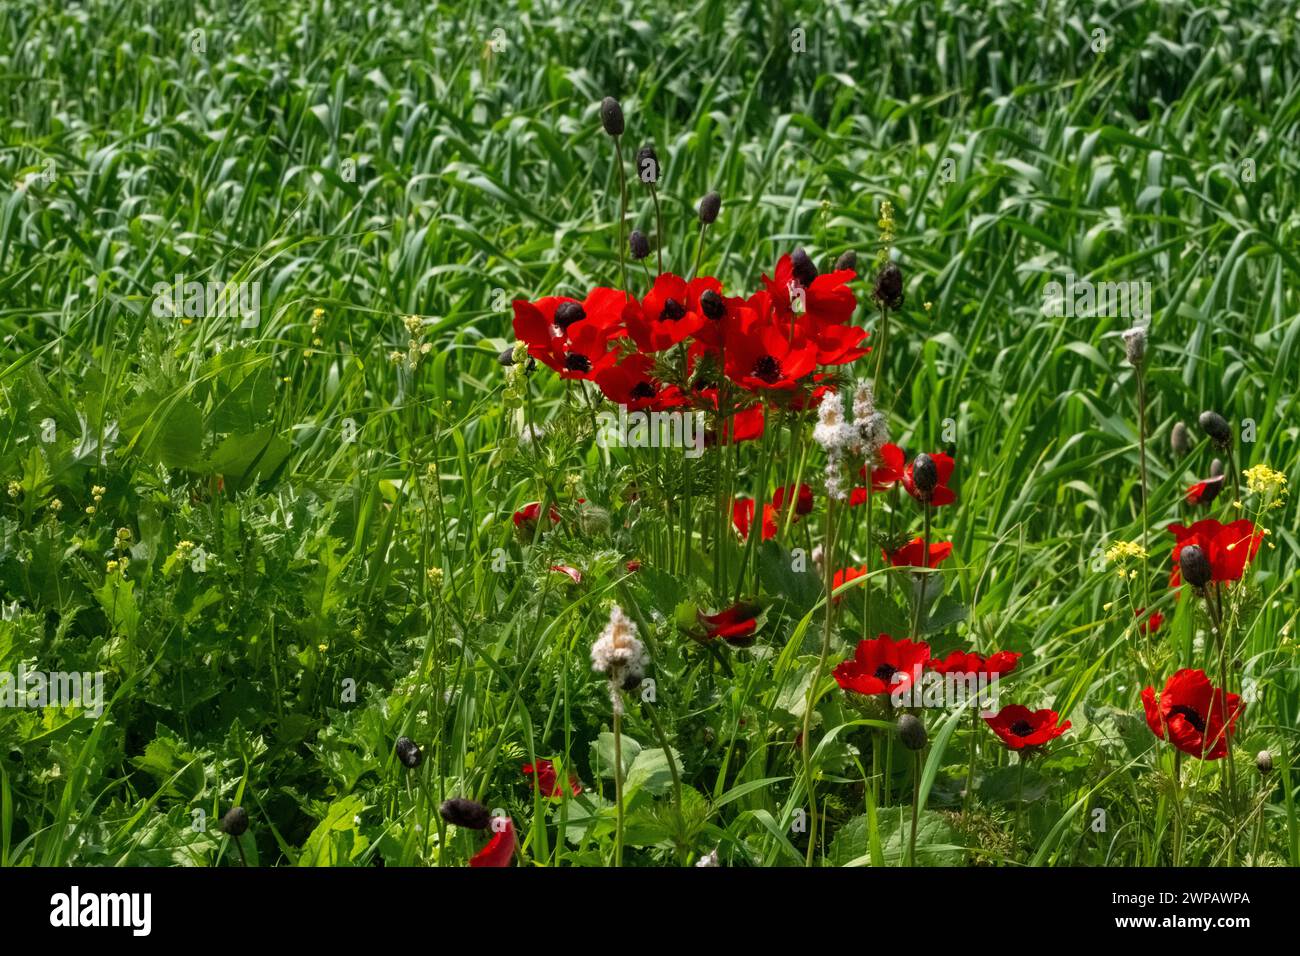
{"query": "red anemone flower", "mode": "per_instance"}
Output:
(1191, 714)
(669, 313)
(843, 575)
(526, 517)
(762, 356)
(885, 475)
(1227, 546)
(827, 300)
(1153, 621)
(735, 625)
(882, 665)
(961, 663)
(1021, 728)
(742, 516)
(942, 494)
(545, 779)
(500, 850)
(572, 337)
(632, 384)
(910, 554)
(803, 501)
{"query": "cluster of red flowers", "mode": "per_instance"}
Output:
(885, 666)
(768, 344)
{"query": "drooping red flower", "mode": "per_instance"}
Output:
(882, 665)
(735, 625)
(631, 383)
(910, 555)
(546, 780)
(742, 516)
(1205, 490)
(962, 663)
(745, 424)
(669, 313)
(803, 500)
(525, 518)
(573, 573)
(761, 356)
(500, 850)
(1152, 622)
(1191, 714)
(942, 494)
(1019, 727)
(1227, 546)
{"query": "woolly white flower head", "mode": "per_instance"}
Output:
(832, 432)
(619, 654)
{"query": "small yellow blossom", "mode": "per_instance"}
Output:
(56, 505)
(1123, 550)
(112, 567)
(1267, 483)
(15, 489)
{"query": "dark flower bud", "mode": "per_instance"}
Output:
(566, 313)
(925, 476)
(712, 306)
(911, 732)
(804, 270)
(408, 753)
(611, 116)
(847, 261)
(710, 206)
(235, 822)
(1216, 426)
(377, 861)
(507, 357)
(1195, 566)
(464, 812)
(1264, 761)
(1180, 440)
(639, 243)
(888, 290)
(647, 165)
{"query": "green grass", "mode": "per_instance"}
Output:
(1013, 154)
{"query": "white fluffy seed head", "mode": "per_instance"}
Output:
(618, 653)
(1135, 345)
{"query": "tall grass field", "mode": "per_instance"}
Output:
(522, 433)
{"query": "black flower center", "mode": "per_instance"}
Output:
(886, 672)
(672, 311)
(1189, 715)
(577, 362)
(767, 369)
(1022, 728)
(643, 390)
